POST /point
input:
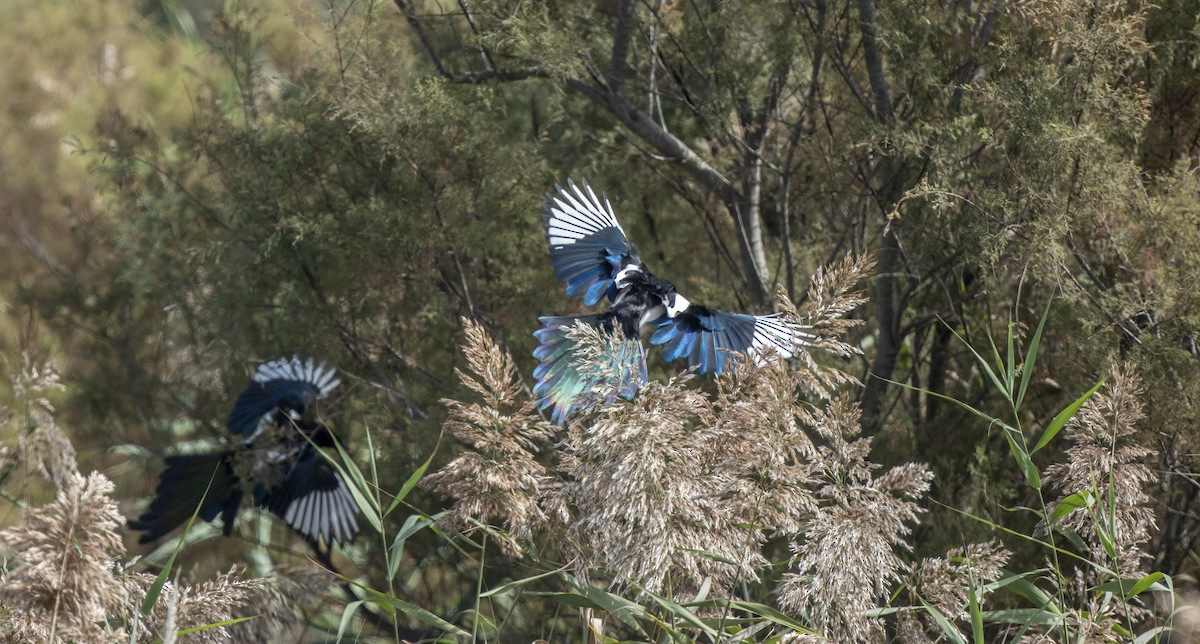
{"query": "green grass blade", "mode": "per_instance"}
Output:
(347, 615)
(1068, 504)
(1028, 469)
(1010, 366)
(409, 484)
(1063, 416)
(393, 604)
(1031, 356)
(412, 525)
(762, 610)
(974, 611)
(359, 488)
(984, 415)
(228, 622)
(983, 364)
(1130, 588)
(684, 614)
(948, 629)
(615, 605)
(155, 589)
(516, 584)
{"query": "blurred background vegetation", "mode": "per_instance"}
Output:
(190, 187)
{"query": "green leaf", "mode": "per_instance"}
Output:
(1037, 596)
(1070, 503)
(409, 484)
(992, 420)
(518, 583)
(1130, 588)
(412, 525)
(1063, 416)
(614, 605)
(1010, 372)
(762, 610)
(392, 604)
(359, 487)
(684, 614)
(973, 609)
(347, 615)
(228, 622)
(947, 628)
(1031, 356)
(1025, 616)
(1023, 461)
(708, 555)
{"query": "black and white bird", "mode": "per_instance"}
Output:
(594, 258)
(277, 463)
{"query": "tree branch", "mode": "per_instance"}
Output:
(875, 75)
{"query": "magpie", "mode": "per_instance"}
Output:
(276, 463)
(593, 257)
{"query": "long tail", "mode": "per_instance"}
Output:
(206, 481)
(573, 378)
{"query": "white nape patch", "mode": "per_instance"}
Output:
(622, 276)
(316, 374)
(677, 304)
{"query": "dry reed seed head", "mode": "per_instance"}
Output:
(501, 480)
(42, 443)
(47, 448)
(763, 459)
(489, 491)
(506, 421)
(498, 380)
(34, 380)
(845, 555)
(641, 485)
(64, 552)
(210, 602)
(943, 583)
(1103, 461)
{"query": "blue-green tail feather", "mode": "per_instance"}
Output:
(568, 384)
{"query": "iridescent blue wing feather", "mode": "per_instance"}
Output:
(569, 383)
(587, 245)
(286, 385)
(706, 336)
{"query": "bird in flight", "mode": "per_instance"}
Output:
(276, 463)
(594, 258)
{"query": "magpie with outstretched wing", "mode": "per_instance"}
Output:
(276, 463)
(594, 258)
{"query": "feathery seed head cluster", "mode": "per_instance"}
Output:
(1104, 462)
(500, 480)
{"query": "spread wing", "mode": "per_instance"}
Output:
(705, 336)
(286, 385)
(313, 499)
(587, 245)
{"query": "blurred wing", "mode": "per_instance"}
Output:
(314, 500)
(704, 336)
(568, 385)
(285, 384)
(587, 246)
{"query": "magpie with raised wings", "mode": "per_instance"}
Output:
(276, 463)
(594, 258)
